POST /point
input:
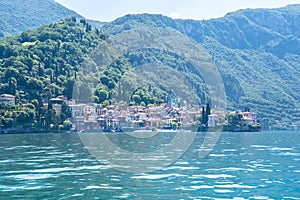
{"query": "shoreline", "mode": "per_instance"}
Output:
(27, 131)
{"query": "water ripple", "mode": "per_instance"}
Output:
(31, 176)
(212, 176)
(156, 176)
(103, 186)
(241, 166)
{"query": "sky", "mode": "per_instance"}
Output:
(109, 10)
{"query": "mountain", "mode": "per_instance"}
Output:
(53, 60)
(248, 58)
(17, 16)
(42, 63)
(72, 59)
(244, 29)
(255, 50)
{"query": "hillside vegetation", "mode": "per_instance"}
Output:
(255, 50)
(72, 59)
(45, 63)
(248, 58)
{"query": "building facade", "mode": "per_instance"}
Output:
(7, 99)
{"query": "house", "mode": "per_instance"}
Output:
(56, 104)
(251, 116)
(7, 99)
(89, 110)
(153, 123)
(77, 110)
(212, 120)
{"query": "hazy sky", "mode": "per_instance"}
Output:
(108, 10)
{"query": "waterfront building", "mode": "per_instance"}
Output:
(56, 104)
(213, 120)
(7, 99)
(77, 110)
(251, 116)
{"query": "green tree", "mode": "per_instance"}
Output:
(136, 99)
(203, 116)
(8, 122)
(67, 125)
(65, 110)
(22, 117)
(11, 72)
(68, 87)
(208, 111)
(101, 94)
(12, 86)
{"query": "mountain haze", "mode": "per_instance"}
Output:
(18, 15)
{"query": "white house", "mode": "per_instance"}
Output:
(7, 99)
(251, 116)
(77, 110)
(212, 120)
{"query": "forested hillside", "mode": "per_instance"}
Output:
(251, 54)
(256, 51)
(45, 63)
(18, 15)
(72, 59)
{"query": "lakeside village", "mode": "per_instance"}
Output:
(117, 118)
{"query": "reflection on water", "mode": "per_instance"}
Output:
(263, 165)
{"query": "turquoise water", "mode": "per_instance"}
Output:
(263, 165)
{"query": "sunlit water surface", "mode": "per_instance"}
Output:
(263, 165)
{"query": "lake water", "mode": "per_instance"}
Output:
(264, 165)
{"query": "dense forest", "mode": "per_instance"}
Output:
(41, 64)
(72, 59)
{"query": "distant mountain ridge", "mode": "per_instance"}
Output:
(17, 16)
(272, 27)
